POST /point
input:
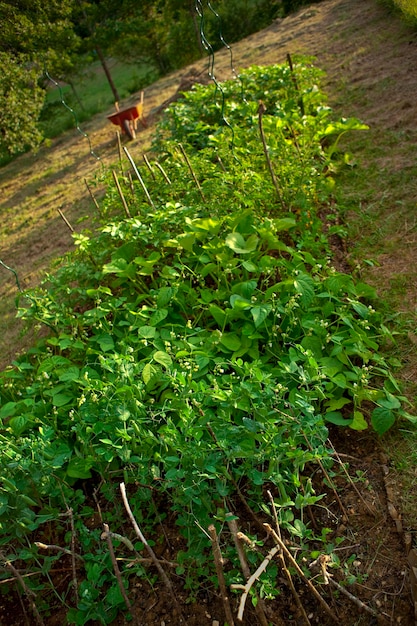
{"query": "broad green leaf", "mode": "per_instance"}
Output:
(165, 295)
(359, 421)
(335, 404)
(382, 419)
(19, 423)
(260, 313)
(239, 303)
(7, 410)
(72, 373)
(284, 223)
(218, 314)
(335, 417)
(105, 342)
(79, 468)
(61, 399)
(148, 373)
(158, 316)
(147, 332)
(304, 284)
(236, 242)
(230, 341)
(162, 358)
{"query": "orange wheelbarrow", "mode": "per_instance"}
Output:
(128, 118)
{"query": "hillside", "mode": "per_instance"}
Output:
(369, 57)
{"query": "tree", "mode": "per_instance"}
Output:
(36, 35)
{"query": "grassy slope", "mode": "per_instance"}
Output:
(370, 58)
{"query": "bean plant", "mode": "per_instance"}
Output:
(197, 349)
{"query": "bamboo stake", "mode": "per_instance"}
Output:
(220, 575)
(119, 189)
(133, 164)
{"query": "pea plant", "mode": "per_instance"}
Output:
(199, 345)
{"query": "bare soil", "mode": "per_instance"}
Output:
(370, 58)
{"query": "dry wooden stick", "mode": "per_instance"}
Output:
(354, 599)
(28, 592)
(285, 569)
(96, 204)
(54, 548)
(261, 111)
(246, 588)
(295, 83)
(135, 169)
(119, 189)
(148, 165)
(220, 575)
(259, 606)
(119, 149)
(107, 535)
(300, 572)
(151, 553)
(190, 167)
(65, 220)
(164, 174)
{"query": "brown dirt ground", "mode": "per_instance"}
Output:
(370, 58)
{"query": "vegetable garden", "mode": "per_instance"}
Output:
(203, 341)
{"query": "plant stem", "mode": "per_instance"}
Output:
(261, 111)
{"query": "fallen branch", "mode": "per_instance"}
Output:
(354, 599)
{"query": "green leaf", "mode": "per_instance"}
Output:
(359, 421)
(162, 358)
(304, 284)
(61, 399)
(284, 223)
(260, 313)
(7, 410)
(105, 342)
(230, 341)
(79, 468)
(236, 242)
(382, 419)
(148, 332)
(148, 373)
(335, 417)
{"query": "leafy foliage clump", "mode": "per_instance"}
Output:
(200, 346)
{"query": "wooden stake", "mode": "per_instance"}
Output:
(161, 169)
(133, 164)
(65, 220)
(119, 189)
(261, 111)
(92, 197)
(107, 535)
(151, 553)
(220, 575)
(148, 165)
(259, 606)
(300, 572)
(181, 147)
